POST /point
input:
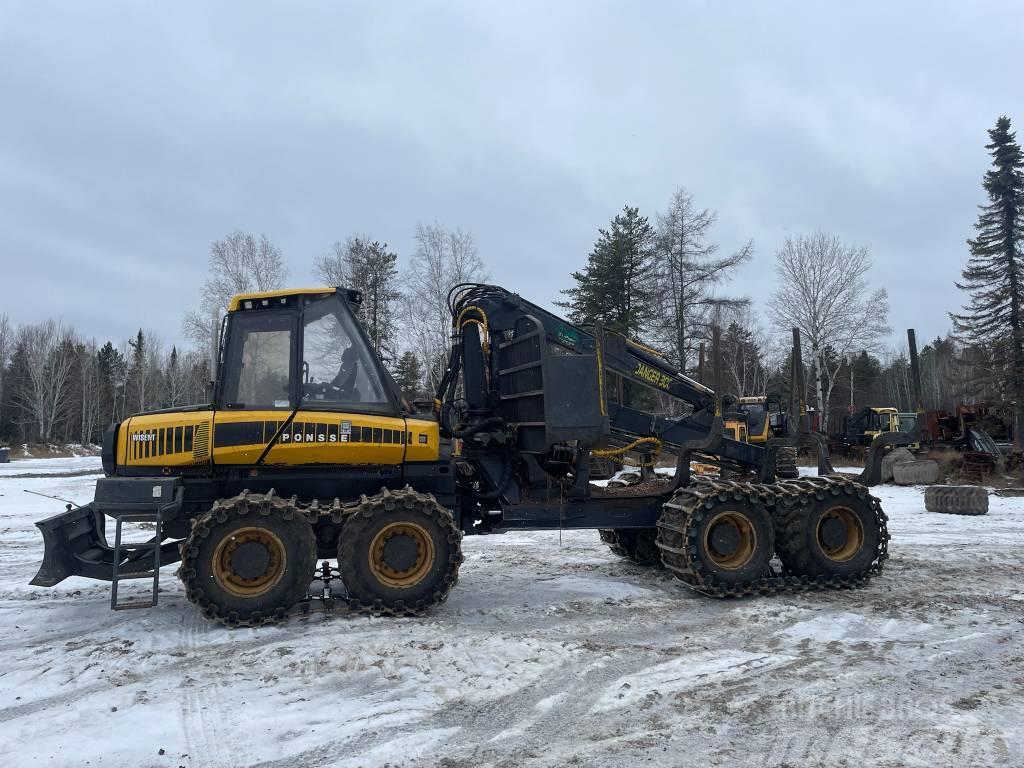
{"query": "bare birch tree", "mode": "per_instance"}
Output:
(239, 263)
(332, 268)
(88, 387)
(823, 290)
(444, 258)
(50, 358)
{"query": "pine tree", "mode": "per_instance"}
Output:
(994, 276)
(743, 369)
(136, 397)
(409, 375)
(111, 365)
(615, 288)
(19, 424)
(370, 268)
(867, 371)
(173, 378)
(374, 271)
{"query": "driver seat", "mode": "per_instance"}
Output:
(345, 381)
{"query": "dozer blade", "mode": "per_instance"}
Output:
(73, 546)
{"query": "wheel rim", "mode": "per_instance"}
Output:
(730, 540)
(401, 554)
(249, 562)
(840, 534)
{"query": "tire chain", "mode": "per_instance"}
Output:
(336, 513)
(611, 539)
(619, 545)
(407, 497)
(680, 512)
(785, 466)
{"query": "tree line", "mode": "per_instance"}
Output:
(660, 282)
(660, 279)
(58, 387)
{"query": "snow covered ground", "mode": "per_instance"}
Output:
(81, 464)
(550, 651)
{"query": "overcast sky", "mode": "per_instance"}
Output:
(134, 134)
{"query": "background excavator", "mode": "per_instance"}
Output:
(308, 452)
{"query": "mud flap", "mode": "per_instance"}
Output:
(74, 543)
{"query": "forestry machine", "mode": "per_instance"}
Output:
(308, 453)
(862, 427)
(755, 419)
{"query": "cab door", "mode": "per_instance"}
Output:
(345, 412)
(257, 391)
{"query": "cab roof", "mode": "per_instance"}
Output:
(258, 297)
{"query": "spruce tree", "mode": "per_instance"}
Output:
(374, 271)
(993, 275)
(409, 375)
(615, 287)
(742, 367)
(369, 267)
(111, 365)
(137, 374)
(20, 426)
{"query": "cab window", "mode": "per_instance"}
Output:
(258, 371)
(337, 368)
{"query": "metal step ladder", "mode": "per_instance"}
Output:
(119, 549)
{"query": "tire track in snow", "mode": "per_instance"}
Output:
(202, 706)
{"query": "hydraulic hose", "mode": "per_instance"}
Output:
(499, 488)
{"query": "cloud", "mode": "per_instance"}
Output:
(134, 135)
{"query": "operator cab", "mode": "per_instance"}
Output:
(305, 349)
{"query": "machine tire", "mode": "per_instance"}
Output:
(414, 573)
(610, 536)
(919, 472)
(638, 545)
(249, 559)
(956, 499)
(804, 528)
(785, 463)
(708, 557)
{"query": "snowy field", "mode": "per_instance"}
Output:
(550, 651)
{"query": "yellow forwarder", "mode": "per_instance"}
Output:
(308, 452)
(862, 427)
(757, 419)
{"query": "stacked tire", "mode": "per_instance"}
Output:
(956, 499)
